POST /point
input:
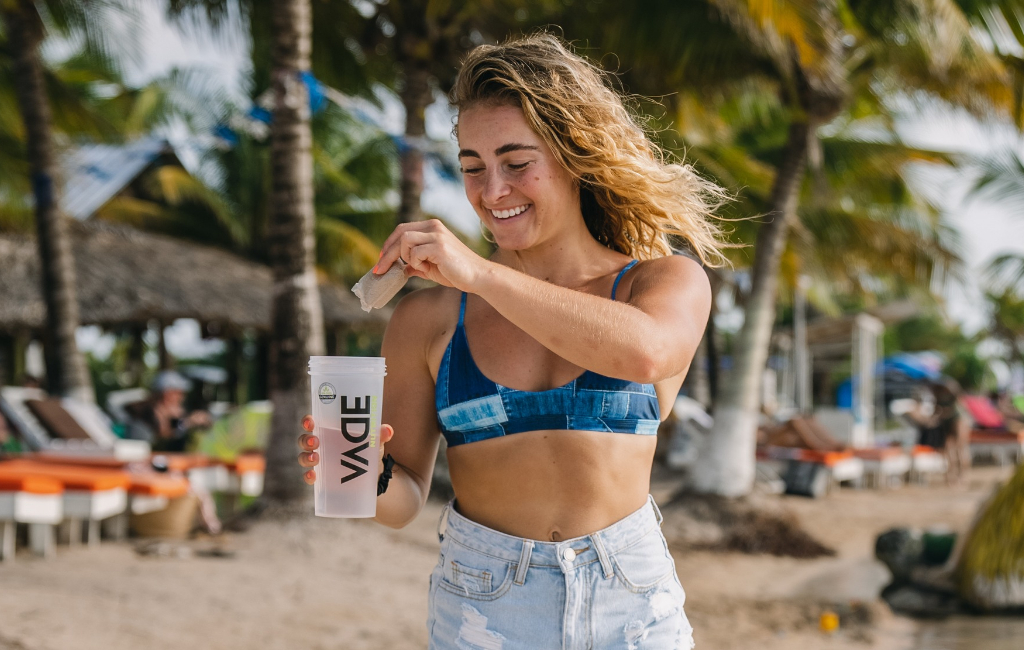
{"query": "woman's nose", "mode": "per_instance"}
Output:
(495, 187)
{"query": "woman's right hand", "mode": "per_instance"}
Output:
(310, 443)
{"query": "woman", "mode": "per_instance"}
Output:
(548, 366)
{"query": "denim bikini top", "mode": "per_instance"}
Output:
(471, 407)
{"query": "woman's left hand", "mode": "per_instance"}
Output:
(431, 251)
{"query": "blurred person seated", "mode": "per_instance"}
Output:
(802, 431)
(161, 419)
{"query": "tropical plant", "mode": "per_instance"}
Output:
(25, 26)
(422, 41)
(1007, 321)
(820, 59)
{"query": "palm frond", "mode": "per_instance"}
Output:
(1002, 178)
(342, 250)
(1006, 271)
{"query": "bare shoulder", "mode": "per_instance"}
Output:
(425, 315)
(674, 274)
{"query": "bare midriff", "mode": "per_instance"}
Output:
(552, 485)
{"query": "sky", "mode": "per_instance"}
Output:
(987, 228)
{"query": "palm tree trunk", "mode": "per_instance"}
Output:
(727, 466)
(697, 378)
(415, 98)
(65, 367)
(711, 341)
(297, 315)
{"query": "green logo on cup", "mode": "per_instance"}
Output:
(327, 393)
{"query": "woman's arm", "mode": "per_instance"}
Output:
(409, 408)
(650, 337)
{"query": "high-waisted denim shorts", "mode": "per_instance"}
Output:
(616, 588)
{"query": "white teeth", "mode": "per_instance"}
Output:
(505, 214)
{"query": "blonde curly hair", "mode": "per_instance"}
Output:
(633, 200)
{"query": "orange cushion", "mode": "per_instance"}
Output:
(30, 484)
(158, 485)
(878, 453)
(249, 463)
(997, 436)
(827, 458)
(72, 477)
(85, 461)
(180, 462)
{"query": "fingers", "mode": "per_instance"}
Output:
(386, 433)
(404, 237)
(309, 459)
(309, 477)
(309, 442)
(402, 248)
(307, 423)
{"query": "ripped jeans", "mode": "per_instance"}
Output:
(616, 588)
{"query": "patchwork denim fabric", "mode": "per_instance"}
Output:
(616, 588)
(471, 407)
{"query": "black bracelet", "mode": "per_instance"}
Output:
(385, 476)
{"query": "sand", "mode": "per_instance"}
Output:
(353, 585)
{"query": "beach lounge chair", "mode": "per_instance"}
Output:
(926, 462)
(884, 466)
(811, 472)
(64, 426)
(91, 494)
(33, 500)
(1001, 447)
(984, 413)
(246, 477)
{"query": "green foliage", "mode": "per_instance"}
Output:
(1007, 323)
(931, 332)
(991, 565)
(244, 429)
(927, 332)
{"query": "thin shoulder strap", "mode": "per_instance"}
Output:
(615, 287)
(462, 309)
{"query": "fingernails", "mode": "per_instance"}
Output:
(380, 255)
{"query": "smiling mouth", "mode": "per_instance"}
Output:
(511, 212)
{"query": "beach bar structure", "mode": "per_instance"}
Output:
(812, 351)
(127, 279)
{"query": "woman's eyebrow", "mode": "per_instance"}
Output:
(512, 146)
(503, 149)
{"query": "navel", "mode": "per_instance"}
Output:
(556, 536)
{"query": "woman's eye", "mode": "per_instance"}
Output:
(518, 167)
(472, 170)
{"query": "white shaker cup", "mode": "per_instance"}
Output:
(347, 394)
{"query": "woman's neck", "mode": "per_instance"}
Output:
(566, 262)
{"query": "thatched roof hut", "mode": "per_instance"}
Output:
(128, 277)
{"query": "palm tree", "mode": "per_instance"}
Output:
(1007, 322)
(24, 29)
(425, 40)
(297, 331)
(820, 59)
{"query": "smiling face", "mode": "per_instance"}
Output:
(516, 185)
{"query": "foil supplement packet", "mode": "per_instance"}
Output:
(374, 291)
